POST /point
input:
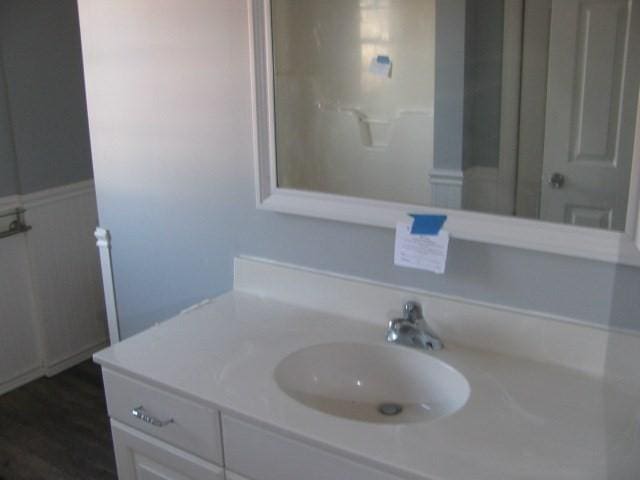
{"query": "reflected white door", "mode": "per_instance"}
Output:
(592, 90)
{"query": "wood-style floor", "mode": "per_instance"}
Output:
(57, 429)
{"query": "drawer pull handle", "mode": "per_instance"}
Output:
(141, 414)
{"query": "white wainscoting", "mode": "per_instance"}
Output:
(51, 302)
(20, 358)
(446, 188)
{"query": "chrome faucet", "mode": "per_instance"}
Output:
(412, 329)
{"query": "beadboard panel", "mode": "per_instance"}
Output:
(19, 347)
(65, 273)
(52, 312)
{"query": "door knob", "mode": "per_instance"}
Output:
(557, 180)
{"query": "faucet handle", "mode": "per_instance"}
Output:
(393, 330)
(412, 311)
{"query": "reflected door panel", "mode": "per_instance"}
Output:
(592, 89)
(511, 107)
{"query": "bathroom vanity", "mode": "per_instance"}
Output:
(255, 385)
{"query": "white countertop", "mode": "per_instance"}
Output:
(523, 420)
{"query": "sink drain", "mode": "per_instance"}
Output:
(390, 409)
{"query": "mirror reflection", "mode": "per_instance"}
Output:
(513, 107)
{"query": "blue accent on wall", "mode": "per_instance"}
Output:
(427, 224)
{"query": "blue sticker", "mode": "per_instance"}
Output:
(427, 224)
(383, 59)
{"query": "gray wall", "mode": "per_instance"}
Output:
(169, 108)
(42, 61)
(8, 173)
(483, 82)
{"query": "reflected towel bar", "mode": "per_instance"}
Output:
(17, 226)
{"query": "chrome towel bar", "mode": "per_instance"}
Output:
(17, 225)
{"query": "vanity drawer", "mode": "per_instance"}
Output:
(259, 454)
(193, 428)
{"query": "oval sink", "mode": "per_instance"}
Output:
(372, 383)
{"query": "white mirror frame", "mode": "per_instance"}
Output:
(594, 244)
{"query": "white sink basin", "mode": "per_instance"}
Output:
(372, 383)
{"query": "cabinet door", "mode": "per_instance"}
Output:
(141, 457)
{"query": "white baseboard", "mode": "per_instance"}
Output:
(60, 365)
(52, 369)
(7, 205)
(20, 380)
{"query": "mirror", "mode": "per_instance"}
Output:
(522, 108)
(334, 138)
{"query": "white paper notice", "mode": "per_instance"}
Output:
(425, 252)
(380, 66)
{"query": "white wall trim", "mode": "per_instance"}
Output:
(442, 176)
(57, 194)
(530, 334)
(103, 242)
(52, 369)
(569, 240)
(21, 380)
(9, 203)
(446, 187)
(63, 364)
(61, 291)
(43, 197)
